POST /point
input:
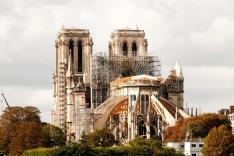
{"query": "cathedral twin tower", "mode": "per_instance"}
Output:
(73, 51)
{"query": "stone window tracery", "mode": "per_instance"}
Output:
(134, 49)
(71, 49)
(125, 49)
(80, 54)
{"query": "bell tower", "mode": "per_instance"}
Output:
(71, 76)
(128, 42)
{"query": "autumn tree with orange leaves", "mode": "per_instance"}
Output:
(219, 142)
(19, 129)
(195, 127)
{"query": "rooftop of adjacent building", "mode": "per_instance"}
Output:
(225, 111)
(231, 117)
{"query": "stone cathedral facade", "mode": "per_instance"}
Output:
(121, 89)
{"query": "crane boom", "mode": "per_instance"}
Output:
(5, 100)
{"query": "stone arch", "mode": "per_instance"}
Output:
(80, 56)
(125, 48)
(134, 48)
(71, 48)
(112, 106)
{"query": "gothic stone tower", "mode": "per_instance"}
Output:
(71, 77)
(173, 87)
(128, 42)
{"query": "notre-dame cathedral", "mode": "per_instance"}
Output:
(121, 89)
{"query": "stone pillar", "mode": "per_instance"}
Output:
(86, 59)
(132, 127)
(148, 119)
(129, 118)
(110, 120)
(148, 126)
(129, 49)
(129, 126)
(75, 57)
(56, 54)
(63, 52)
(67, 53)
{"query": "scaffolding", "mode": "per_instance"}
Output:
(83, 121)
(108, 68)
(62, 95)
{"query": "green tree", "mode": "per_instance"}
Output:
(139, 141)
(102, 138)
(84, 139)
(143, 146)
(219, 142)
(52, 135)
(12, 124)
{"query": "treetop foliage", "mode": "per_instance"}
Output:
(52, 135)
(195, 127)
(21, 128)
(99, 138)
(219, 142)
(11, 124)
(139, 146)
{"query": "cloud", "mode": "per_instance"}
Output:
(24, 96)
(219, 33)
(211, 88)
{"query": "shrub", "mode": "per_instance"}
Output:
(101, 138)
(139, 146)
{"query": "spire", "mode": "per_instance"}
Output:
(199, 110)
(62, 29)
(186, 107)
(178, 70)
(181, 72)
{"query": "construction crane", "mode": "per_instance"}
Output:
(5, 100)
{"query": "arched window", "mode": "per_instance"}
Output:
(134, 49)
(80, 53)
(71, 49)
(125, 49)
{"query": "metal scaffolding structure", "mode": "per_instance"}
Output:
(62, 95)
(83, 121)
(108, 68)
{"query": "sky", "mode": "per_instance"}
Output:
(198, 34)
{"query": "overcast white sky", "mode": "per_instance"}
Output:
(199, 34)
